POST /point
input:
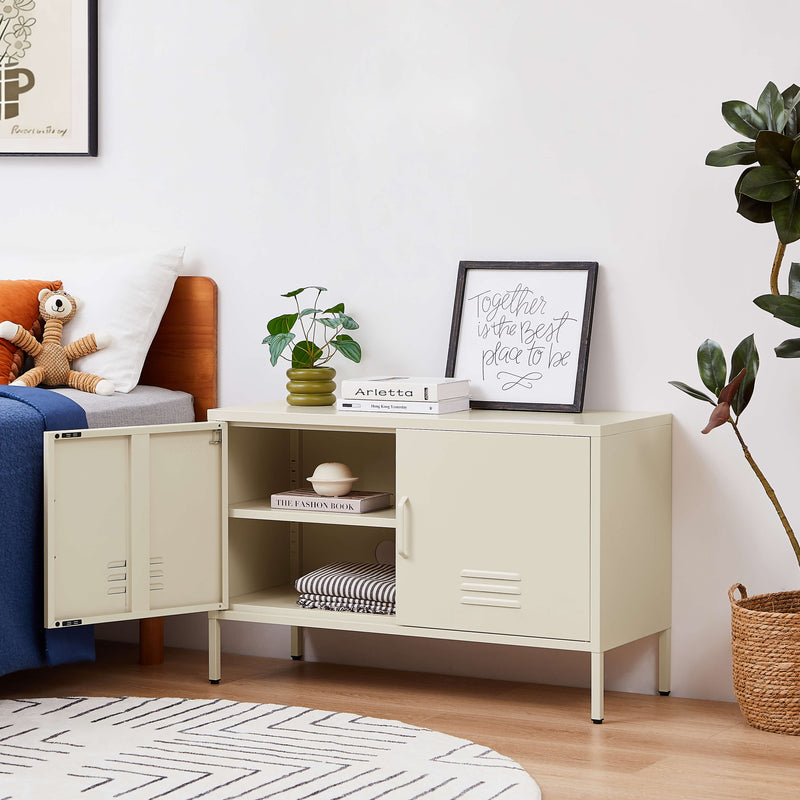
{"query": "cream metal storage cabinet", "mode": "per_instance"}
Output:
(534, 529)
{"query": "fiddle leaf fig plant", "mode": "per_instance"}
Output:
(730, 398)
(321, 333)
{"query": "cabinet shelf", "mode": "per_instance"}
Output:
(279, 605)
(261, 509)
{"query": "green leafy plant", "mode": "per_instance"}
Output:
(769, 192)
(730, 398)
(322, 333)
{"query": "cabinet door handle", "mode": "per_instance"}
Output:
(402, 527)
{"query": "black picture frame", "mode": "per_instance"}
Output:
(520, 333)
(36, 118)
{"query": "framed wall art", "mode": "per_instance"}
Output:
(520, 333)
(48, 77)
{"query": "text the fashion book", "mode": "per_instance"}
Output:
(352, 503)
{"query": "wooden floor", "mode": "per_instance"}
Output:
(649, 748)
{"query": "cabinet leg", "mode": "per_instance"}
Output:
(214, 650)
(597, 686)
(297, 643)
(664, 655)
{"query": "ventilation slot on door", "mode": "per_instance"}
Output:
(490, 588)
(156, 574)
(117, 577)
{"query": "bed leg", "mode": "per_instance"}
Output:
(151, 641)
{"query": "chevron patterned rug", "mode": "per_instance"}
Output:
(139, 748)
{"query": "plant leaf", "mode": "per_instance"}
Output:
(696, 393)
(348, 323)
(794, 158)
(277, 344)
(339, 320)
(719, 416)
(794, 280)
(348, 347)
(302, 289)
(774, 149)
(712, 365)
(732, 155)
(768, 184)
(305, 354)
(786, 214)
(771, 107)
(337, 309)
(729, 392)
(306, 311)
(791, 98)
(744, 357)
(743, 118)
(788, 349)
(754, 210)
(781, 306)
(282, 324)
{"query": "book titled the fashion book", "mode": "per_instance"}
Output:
(405, 407)
(404, 388)
(352, 503)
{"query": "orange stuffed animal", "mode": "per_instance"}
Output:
(51, 358)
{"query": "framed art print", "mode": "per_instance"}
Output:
(48, 77)
(520, 333)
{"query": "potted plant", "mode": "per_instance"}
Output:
(321, 336)
(765, 629)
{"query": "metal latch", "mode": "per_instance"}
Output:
(216, 437)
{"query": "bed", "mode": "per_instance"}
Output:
(181, 366)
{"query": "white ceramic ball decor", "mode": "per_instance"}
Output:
(332, 479)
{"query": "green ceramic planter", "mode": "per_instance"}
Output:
(312, 386)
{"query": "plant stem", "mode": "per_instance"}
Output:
(776, 268)
(769, 490)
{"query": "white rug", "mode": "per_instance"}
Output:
(138, 748)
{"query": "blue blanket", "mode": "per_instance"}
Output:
(24, 643)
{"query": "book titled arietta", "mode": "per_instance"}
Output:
(404, 388)
(352, 503)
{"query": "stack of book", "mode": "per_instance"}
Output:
(404, 395)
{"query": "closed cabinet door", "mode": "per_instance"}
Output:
(494, 535)
(133, 523)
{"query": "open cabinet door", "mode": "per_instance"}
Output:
(133, 523)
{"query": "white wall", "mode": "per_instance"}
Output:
(369, 145)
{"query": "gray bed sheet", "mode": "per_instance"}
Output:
(144, 405)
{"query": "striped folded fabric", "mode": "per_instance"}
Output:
(329, 603)
(343, 582)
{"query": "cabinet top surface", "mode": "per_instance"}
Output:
(588, 423)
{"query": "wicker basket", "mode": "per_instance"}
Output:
(765, 638)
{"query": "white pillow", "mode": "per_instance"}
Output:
(123, 294)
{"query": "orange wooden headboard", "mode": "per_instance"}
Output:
(183, 355)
